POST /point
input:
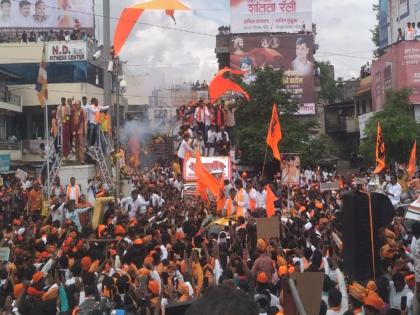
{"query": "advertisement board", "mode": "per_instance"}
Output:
(4, 162)
(215, 164)
(47, 14)
(256, 16)
(398, 68)
(66, 51)
(291, 52)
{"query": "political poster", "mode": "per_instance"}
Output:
(215, 165)
(293, 53)
(47, 14)
(290, 169)
(255, 16)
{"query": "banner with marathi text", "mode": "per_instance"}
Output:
(256, 16)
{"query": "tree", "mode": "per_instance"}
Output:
(329, 91)
(399, 129)
(375, 33)
(253, 118)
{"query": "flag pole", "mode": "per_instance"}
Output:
(47, 156)
(265, 159)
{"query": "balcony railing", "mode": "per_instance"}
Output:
(10, 145)
(7, 97)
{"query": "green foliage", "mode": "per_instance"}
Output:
(399, 129)
(253, 118)
(321, 147)
(375, 33)
(329, 91)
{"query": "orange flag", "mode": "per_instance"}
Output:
(201, 188)
(219, 85)
(221, 196)
(204, 177)
(130, 15)
(274, 133)
(412, 163)
(380, 151)
(269, 201)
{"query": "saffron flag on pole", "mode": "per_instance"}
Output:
(274, 133)
(270, 198)
(42, 83)
(380, 151)
(412, 163)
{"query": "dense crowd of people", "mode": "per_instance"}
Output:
(76, 124)
(139, 254)
(207, 127)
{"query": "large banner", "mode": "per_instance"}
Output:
(49, 14)
(256, 16)
(291, 52)
(66, 51)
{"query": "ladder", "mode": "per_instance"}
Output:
(97, 154)
(54, 167)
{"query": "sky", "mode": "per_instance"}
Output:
(158, 57)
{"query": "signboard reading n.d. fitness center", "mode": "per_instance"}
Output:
(66, 51)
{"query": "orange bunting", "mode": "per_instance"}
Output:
(129, 17)
(380, 151)
(220, 85)
(270, 199)
(412, 163)
(274, 133)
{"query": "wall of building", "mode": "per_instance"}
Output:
(394, 15)
(56, 91)
(398, 69)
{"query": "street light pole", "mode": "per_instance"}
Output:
(107, 52)
(117, 112)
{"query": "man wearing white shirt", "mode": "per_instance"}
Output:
(183, 149)
(261, 197)
(398, 289)
(157, 201)
(130, 204)
(93, 112)
(393, 191)
(219, 135)
(211, 140)
(142, 203)
(200, 116)
(178, 183)
(25, 13)
(5, 18)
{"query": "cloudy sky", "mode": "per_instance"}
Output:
(158, 56)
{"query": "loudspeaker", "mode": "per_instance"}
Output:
(357, 243)
(177, 309)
